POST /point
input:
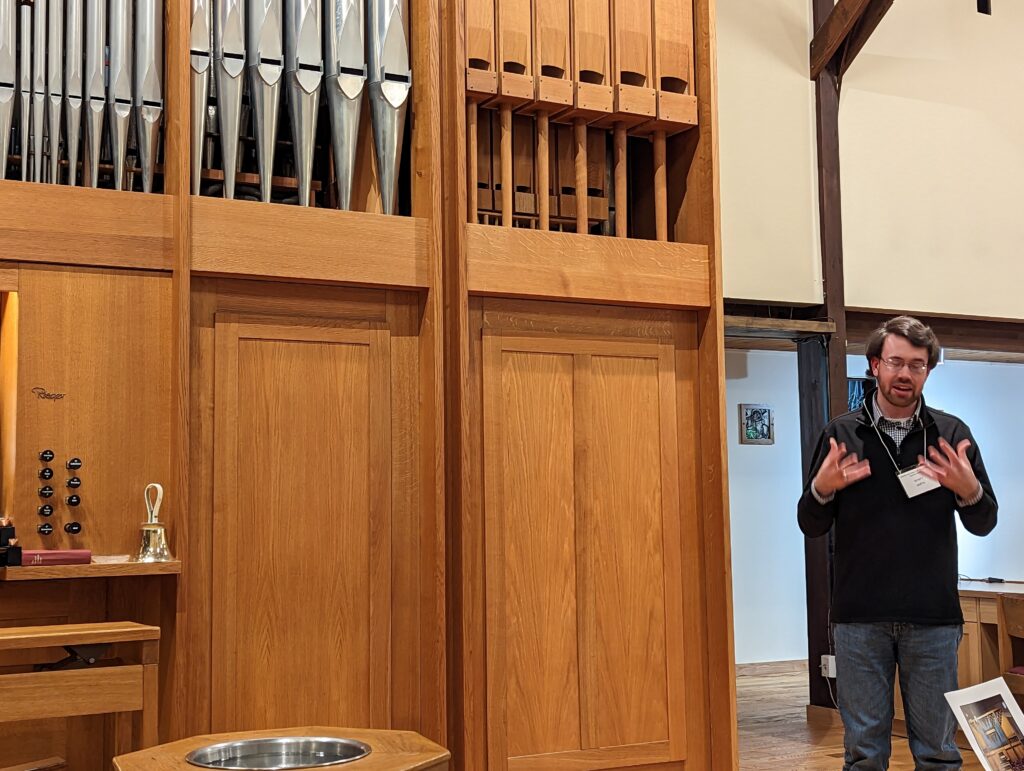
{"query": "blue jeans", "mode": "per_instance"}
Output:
(867, 656)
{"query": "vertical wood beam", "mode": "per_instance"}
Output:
(462, 695)
(830, 210)
(621, 183)
(543, 173)
(582, 191)
(177, 676)
(693, 160)
(812, 379)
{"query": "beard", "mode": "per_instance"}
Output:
(900, 392)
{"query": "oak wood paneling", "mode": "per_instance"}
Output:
(583, 537)
(514, 262)
(237, 237)
(286, 395)
(84, 226)
(531, 554)
(101, 338)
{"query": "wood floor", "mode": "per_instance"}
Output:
(775, 734)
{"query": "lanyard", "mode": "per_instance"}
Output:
(874, 424)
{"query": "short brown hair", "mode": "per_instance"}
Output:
(915, 332)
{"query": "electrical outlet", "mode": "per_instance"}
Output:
(828, 666)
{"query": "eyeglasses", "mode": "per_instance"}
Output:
(896, 364)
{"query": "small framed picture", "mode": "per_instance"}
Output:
(757, 424)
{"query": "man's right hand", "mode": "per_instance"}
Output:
(839, 470)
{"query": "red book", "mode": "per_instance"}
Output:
(31, 557)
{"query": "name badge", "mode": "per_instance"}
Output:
(915, 483)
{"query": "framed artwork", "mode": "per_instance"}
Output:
(757, 424)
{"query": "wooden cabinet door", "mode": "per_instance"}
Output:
(584, 576)
(302, 531)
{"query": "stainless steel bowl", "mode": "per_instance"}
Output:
(276, 753)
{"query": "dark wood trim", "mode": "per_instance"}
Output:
(786, 329)
(964, 333)
(813, 379)
(858, 38)
(842, 31)
(833, 29)
(823, 390)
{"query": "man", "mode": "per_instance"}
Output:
(889, 478)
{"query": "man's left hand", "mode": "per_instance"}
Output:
(951, 468)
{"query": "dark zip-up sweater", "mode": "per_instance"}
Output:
(895, 557)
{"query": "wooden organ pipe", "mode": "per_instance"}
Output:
(507, 183)
(543, 173)
(582, 219)
(660, 188)
(472, 168)
(621, 189)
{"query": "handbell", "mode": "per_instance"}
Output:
(154, 537)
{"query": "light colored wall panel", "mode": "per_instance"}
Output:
(769, 178)
(932, 162)
(769, 606)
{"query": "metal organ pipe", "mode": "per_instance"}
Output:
(148, 84)
(390, 84)
(345, 76)
(303, 72)
(265, 51)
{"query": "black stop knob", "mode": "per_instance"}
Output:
(73, 528)
(45, 529)
(46, 456)
(74, 482)
(74, 464)
(72, 500)
(45, 510)
(46, 473)
(45, 492)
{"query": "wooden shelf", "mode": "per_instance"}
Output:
(517, 262)
(246, 238)
(94, 570)
(85, 226)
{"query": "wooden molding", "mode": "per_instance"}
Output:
(515, 262)
(238, 238)
(85, 226)
(755, 326)
(93, 570)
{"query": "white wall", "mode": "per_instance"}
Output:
(767, 152)
(986, 397)
(932, 162)
(769, 605)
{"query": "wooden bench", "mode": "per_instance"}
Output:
(125, 686)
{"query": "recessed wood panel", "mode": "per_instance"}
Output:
(302, 555)
(583, 540)
(619, 514)
(536, 524)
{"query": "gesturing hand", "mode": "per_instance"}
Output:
(839, 470)
(951, 468)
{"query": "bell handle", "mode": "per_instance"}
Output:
(153, 507)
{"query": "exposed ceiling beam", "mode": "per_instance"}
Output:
(845, 32)
(831, 35)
